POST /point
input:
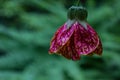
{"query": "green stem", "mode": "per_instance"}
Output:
(78, 3)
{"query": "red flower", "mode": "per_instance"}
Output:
(76, 37)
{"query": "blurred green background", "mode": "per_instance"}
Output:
(27, 26)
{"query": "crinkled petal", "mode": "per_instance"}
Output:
(60, 38)
(86, 39)
(69, 51)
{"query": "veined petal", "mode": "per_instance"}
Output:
(61, 37)
(68, 50)
(99, 49)
(86, 39)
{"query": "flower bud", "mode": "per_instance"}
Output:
(81, 13)
(71, 12)
(76, 12)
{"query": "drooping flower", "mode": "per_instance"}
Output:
(76, 37)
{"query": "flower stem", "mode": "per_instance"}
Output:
(78, 3)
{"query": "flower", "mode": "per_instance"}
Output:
(76, 37)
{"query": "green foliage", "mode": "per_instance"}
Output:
(26, 28)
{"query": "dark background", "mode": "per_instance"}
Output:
(27, 26)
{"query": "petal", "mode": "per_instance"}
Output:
(86, 39)
(61, 37)
(69, 51)
(99, 49)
